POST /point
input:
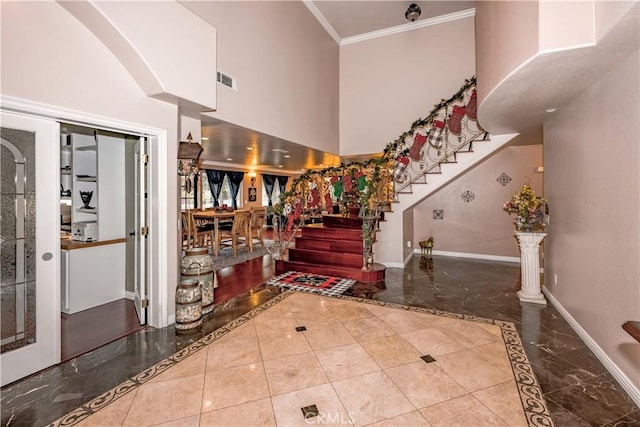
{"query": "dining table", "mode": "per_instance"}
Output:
(216, 217)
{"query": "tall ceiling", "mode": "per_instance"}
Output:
(226, 144)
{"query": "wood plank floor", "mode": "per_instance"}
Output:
(89, 329)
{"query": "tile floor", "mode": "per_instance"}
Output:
(577, 388)
(346, 362)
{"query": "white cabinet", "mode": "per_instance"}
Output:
(92, 275)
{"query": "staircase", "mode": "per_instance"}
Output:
(333, 248)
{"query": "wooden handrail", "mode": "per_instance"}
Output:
(633, 328)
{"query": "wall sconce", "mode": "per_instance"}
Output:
(413, 12)
(252, 175)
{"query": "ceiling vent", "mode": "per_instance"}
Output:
(226, 80)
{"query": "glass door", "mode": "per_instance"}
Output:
(30, 246)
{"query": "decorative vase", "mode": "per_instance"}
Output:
(208, 281)
(195, 257)
(86, 198)
(188, 305)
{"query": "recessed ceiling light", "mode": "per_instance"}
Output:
(279, 150)
(279, 166)
(204, 138)
(249, 148)
(551, 110)
(286, 156)
(229, 159)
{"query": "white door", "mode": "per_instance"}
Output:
(140, 287)
(30, 253)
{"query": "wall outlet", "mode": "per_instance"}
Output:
(408, 243)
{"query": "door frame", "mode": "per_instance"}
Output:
(158, 274)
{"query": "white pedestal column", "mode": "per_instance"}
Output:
(530, 267)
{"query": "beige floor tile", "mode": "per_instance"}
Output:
(327, 335)
(410, 419)
(288, 412)
(241, 351)
(432, 341)
(424, 384)
(317, 316)
(463, 411)
(391, 351)
(471, 371)
(436, 320)
(250, 414)
(272, 323)
(165, 401)
(348, 310)
(403, 321)
(372, 397)
(346, 361)
(245, 330)
(379, 310)
(293, 373)
(504, 401)
(468, 333)
(192, 365)
(496, 355)
(284, 343)
(493, 329)
(306, 302)
(193, 421)
(112, 415)
(232, 386)
(367, 328)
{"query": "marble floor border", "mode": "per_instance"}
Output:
(531, 397)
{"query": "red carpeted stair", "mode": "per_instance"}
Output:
(333, 248)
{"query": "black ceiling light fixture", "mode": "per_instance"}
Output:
(413, 12)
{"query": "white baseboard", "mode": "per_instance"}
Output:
(475, 256)
(393, 264)
(614, 370)
(129, 295)
(171, 319)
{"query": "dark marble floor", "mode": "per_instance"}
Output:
(578, 389)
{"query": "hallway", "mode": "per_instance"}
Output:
(577, 388)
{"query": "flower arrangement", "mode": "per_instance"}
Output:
(529, 209)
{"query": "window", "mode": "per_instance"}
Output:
(225, 193)
(186, 197)
(275, 196)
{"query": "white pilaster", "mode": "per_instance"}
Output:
(530, 267)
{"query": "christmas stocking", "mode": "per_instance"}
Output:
(328, 202)
(314, 198)
(472, 106)
(401, 165)
(435, 134)
(418, 141)
(455, 120)
(346, 183)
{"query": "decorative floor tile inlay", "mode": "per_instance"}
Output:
(308, 282)
(428, 359)
(309, 411)
(504, 389)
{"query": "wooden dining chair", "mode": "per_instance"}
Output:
(238, 234)
(198, 234)
(256, 225)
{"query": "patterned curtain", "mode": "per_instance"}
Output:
(235, 179)
(215, 178)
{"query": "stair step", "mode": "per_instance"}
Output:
(375, 274)
(332, 233)
(319, 244)
(326, 258)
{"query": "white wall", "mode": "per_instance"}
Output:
(387, 83)
(50, 57)
(286, 66)
(592, 167)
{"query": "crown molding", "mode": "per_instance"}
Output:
(322, 20)
(468, 13)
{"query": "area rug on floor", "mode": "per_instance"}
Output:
(226, 258)
(378, 349)
(309, 282)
